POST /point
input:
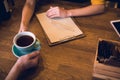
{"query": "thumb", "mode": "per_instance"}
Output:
(34, 54)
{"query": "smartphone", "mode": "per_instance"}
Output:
(116, 25)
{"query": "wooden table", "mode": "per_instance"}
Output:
(68, 61)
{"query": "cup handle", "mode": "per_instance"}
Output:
(37, 45)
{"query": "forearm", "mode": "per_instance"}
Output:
(86, 11)
(14, 73)
(27, 12)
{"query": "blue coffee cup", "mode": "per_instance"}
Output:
(26, 42)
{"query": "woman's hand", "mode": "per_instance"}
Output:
(23, 28)
(57, 12)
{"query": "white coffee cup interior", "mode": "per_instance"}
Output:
(23, 34)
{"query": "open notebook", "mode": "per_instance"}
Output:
(59, 30)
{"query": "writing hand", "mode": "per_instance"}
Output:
(56, 12)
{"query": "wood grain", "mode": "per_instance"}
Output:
(68, 61)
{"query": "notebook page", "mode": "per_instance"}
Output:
(58, 29)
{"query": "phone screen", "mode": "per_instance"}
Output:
(117, 26)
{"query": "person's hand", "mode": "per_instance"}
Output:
(28, 61)
(23, 28)
(56, 12)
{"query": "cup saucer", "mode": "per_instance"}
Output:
(19, 53)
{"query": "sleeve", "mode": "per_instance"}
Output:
(97, 1)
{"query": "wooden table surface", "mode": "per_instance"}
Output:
(72, 60)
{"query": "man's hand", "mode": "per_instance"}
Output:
(28, 61)
(23, 63)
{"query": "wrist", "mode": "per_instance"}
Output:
(14, 73)
(69, 13)
(18, 67)
(23, 26)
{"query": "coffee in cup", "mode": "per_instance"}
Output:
(25, 40)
